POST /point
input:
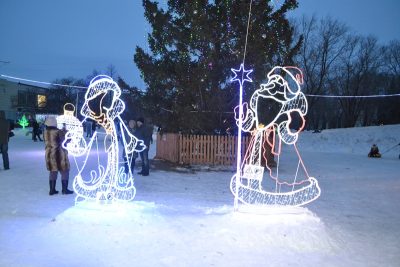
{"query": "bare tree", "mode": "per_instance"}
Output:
(323, 44)
(111, 71)
(392, 57)
(388, 111)
(61, 94)
(355, 75)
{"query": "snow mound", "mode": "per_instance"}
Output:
(297, 230)
(356, 140)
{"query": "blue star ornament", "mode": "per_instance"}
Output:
(241, 75)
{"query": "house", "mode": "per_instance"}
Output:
(17, 99)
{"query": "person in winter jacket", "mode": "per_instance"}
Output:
(131, 127)
(35, 130)
(144, 133)
(4, 136)
(56, 156)
(374, 152)
(88, 127)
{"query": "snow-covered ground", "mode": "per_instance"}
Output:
(186, 219)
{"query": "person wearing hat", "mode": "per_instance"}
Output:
(374, 152)
(144, 133)
(4, 136)
(56, 156)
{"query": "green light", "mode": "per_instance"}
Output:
(23, 122)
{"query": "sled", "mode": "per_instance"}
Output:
(374, 155)
(253, 194)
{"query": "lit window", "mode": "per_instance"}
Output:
(41, 101)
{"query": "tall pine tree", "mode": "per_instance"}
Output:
(193, 46)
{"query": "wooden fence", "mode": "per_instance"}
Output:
(167, 147)
(199, 149)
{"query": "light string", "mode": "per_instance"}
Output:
(308, 95)
(47, 83)
(247, 34)
(353, 96)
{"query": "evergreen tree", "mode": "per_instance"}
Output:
(194, 44)
(133, 99)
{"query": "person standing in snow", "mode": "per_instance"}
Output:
(4, 134)
(88, 126)
(144, 133)
(56, 156)
(131, 127)
(35, 130)
(41, 129)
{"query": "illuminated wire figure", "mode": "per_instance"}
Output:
(110, 182)
(75, 145)
(274, 107)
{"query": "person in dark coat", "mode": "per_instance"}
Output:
(146, 134)
(89, 131)
(4, 136)
(35, 130)
(56, 156)
(42, 127)
(132, 159)
(374, 152)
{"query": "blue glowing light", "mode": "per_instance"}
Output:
(241, 75)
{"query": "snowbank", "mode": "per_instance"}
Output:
(187, 218)
(353, 140)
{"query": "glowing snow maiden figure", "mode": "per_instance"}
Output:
(111, 182)
(273, 110)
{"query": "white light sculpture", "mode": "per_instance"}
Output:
(241, 76)
(285, 102)
(76, 143)
(111, 182)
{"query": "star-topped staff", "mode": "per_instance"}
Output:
(242, 76)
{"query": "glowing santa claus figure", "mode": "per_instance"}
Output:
(274, 117)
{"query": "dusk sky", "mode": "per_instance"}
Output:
(47, 39)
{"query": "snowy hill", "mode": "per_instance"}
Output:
(356, 140)
(187, 219)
